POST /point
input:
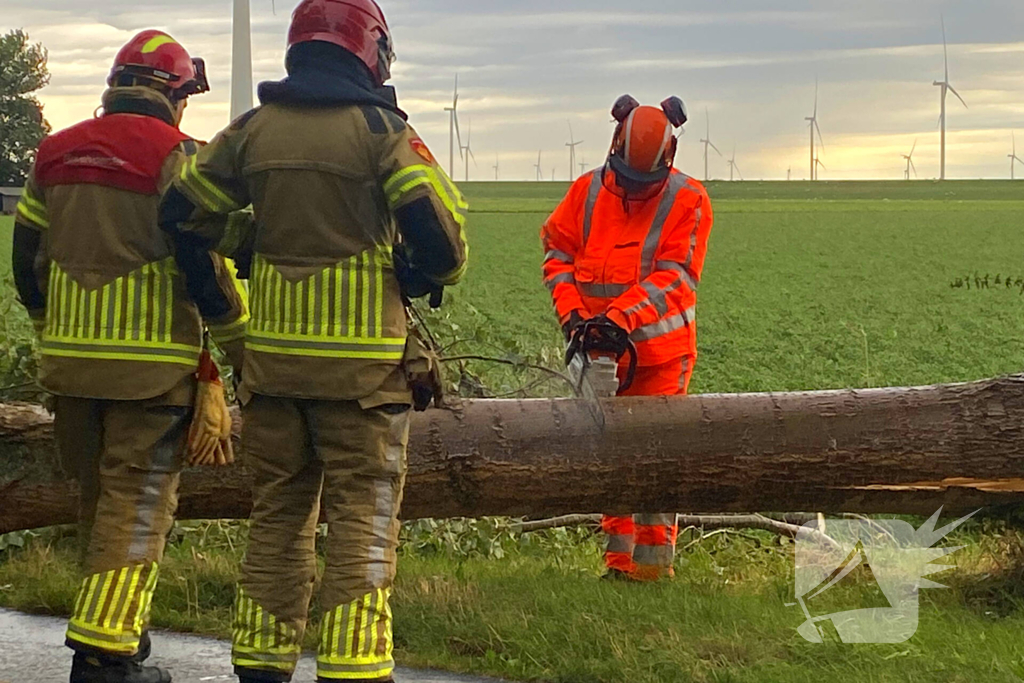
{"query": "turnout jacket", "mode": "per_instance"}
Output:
(92, 267)
(333, 188)
(639, 262)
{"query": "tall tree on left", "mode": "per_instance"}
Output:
(23, 72)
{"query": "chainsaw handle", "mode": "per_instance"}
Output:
(631, 370)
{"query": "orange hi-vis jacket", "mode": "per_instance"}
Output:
(638, 262)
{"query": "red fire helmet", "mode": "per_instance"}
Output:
(153, 57)
(355, 25)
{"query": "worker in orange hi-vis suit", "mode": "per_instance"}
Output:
(625, 249)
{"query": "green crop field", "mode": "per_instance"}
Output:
(807, 286)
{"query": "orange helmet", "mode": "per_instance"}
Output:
(644, 146)
(154, 59)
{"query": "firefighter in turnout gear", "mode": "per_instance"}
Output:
(352, 215)
(120, 338)
(625, 249)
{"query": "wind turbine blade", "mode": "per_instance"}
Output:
(945, 49)
(820, 139)
(815, 98)
(715, 148)
(953, 90)
(572, 138)
(455, 100)
(458, 134)
(913, 167)
(738, 171)
(913, 149)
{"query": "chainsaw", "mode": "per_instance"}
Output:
(595, 350)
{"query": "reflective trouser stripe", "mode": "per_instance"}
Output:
(620, 544)
(655, 544)
(356, 639)
(260, 641)
(112, 609)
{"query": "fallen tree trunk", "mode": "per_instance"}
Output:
(881, 450)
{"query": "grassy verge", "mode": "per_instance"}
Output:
(534, 609)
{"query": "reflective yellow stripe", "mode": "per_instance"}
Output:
(211, 196)
(347, 653)
(253, 635)
(100, 619)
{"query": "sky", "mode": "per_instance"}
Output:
(527, 68)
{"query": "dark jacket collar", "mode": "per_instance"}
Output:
(324, 75)
(142, 101)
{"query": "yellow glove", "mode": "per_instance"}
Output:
(209, 439)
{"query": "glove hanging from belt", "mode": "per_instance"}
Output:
(209, 438)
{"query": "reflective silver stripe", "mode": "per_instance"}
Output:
(656, 519)
(270, 658)
(654, 556)
(555, 255)
(602, 291)
(592, 194)
(560, 279)
(620, 543)
(685, 272)
(698, 217)
(663, 327)
(687, 364)
(384, 350)
(658, 296)
(676, 182)
(125, 638)
(355, 668)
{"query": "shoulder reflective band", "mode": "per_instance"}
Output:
(592, 194)
(356, 639)
(32, 211)
(677, 182)
(338, 312)
(399, 186)
(209, 195)
(130, 318)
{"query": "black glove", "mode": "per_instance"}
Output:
(413, 283)
(574, 320)
(604, 335)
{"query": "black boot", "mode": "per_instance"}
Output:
(96, 668)
(256, 676)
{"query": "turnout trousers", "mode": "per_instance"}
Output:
(643, 546)
(302, 451)
(127, 457)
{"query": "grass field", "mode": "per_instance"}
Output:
(806, 287)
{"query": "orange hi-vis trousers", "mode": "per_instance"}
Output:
(644, 545)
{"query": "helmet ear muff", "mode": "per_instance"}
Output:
(623, 107)
(675, 110)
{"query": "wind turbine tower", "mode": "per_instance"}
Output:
(583, 166)
(453, 129)
(946, 88)
(1014, 159)
(241, 60)
(497, 162)
(815, 128)
(708, 145)
(733, 167)
(572, 145)
(540, 175)
(910, 162)
(468, 149)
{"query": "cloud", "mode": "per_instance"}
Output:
(528, 66)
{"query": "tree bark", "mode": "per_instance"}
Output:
(908, 450)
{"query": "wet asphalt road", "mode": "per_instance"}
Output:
(32, 651)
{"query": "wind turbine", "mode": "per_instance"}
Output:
(910, 162)
(815, 127)
(497, 162)
(789, 173)
(241, 59)
(817, 163)
(1014, 159)
(572, 145)
(540, 175)
(453, 129)
(468, 149)
(733, 167)
(708, 144)
(583, 166)
(946, 87)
